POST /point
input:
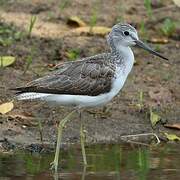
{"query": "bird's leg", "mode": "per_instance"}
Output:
(54, 164)
(138, 135)
(84, 173)
(82, 140)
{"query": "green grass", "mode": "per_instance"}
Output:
(94, 15)
(157, 47)
(147, 4)
(167, 76)
(121, 12)
(29, 60)
(64, 4)
(93, 19)
(73, 54)
(9, 34)
(31, 25)
(143, 30)
(50, 15)
(140, 103)
(168, 27)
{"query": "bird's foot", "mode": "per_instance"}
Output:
(54, 166)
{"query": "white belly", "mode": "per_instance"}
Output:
(87, 101)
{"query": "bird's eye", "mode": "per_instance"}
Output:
(126, 33)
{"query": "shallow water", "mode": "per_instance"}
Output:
(105, 162)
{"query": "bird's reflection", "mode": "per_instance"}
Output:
(56, 175)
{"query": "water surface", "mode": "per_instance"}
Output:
(105, 162)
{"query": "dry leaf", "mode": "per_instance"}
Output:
(6, 107)
(177, 2)
(6, 60)
(173, 126)
(154, 118)
(75, 22)
(159, 40)
(96, 30)
(172, 137)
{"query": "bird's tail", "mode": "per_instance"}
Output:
(30, 96)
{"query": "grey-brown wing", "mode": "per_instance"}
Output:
(91, 76)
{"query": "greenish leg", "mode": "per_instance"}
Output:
(82, 140)
(84, 173)
(54, 164)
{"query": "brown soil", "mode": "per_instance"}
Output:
(52, 39)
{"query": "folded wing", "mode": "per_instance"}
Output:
(91, 76)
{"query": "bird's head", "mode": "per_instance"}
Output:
(126, 35)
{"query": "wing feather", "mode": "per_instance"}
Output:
(91, 76)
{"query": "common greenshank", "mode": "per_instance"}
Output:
(88, 82)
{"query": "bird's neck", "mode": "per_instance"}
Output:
(117, 48)
(124, 58)
(121, 55)
(124, 54)
(124, 50)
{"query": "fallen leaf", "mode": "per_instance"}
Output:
(96, 30)
(173, 126)
(159, 40)
(154, 118)
(172, 137)
(177, 2)
(6, 60)
(75, 22)
(6, 107)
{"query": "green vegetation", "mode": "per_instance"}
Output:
(157, 47)
(168, 27)
(121, 11)
(31, 25)
(140, 103)
(29, 60)
(143, 30)
(94, 15)
(8, 35)
(154, 117)
(147, 4)
(73, 54)
(167, 76)
(64, 4)
(93, 19)
(50, 15)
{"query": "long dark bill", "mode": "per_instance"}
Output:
(147, 48)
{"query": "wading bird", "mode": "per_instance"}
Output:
(88, 82)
